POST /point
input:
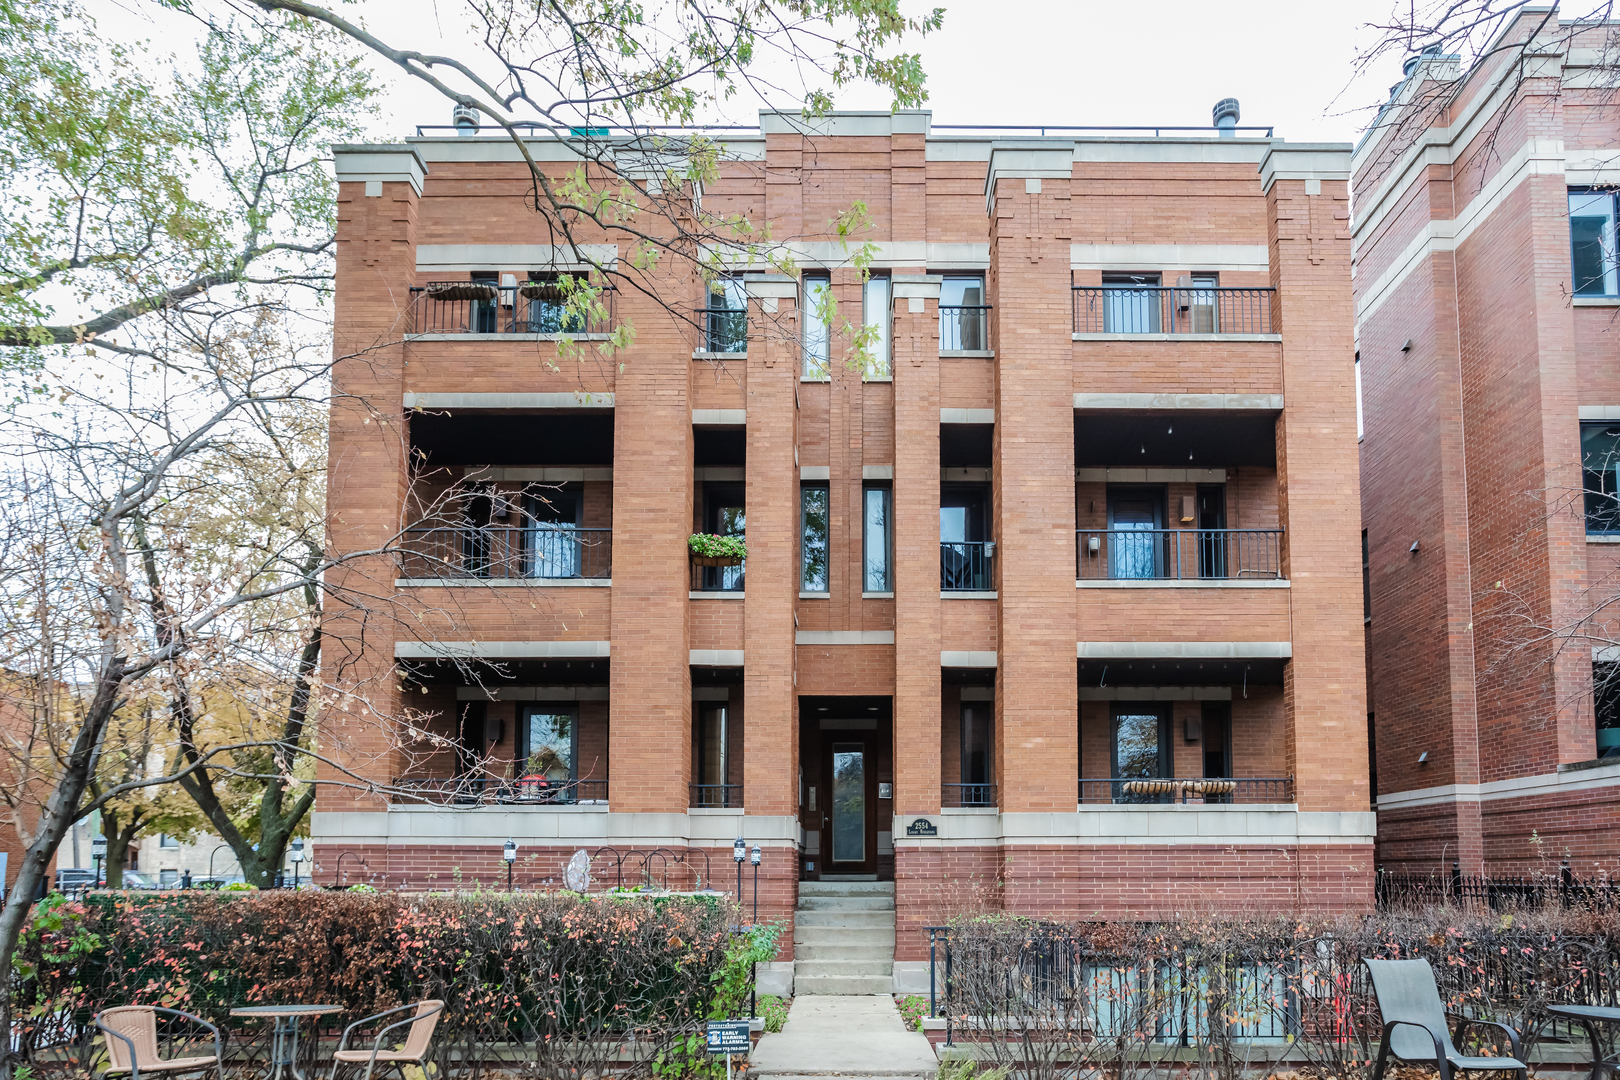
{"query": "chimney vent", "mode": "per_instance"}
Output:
(1226, 117)
(465, 117)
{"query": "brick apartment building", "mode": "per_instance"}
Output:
(1056, 610)
(1489, 366)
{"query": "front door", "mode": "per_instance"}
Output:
(848, 804)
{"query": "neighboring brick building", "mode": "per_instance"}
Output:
(1486, 381)
(1092, 526)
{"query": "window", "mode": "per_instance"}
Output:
(1136, 539)
(964, 562)
(1600, 475)
(167, 841)
(485, 313)
(1592, 243)
(1141, 738)
(713, 756)
(552, 525)
(977, 717)
(813, 539)
(1131, 304)
(1361, 419)
(550, 753)
(962, 314)
(1366, 579)
(1198, 305)
(724, 516)
(1606, 701)
(878, 316)
(876, 539)
(726, 316)
(817, 316)
(541, 307)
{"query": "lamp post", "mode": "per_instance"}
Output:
(297, 856)
(509, 853)
(98, 851)
(739, 852)
(753, 857)
(753, 984)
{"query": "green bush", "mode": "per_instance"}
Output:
(912, 1010)
(709, 546)
(773, 1010)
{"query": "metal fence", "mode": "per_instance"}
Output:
(497, 791)
(965, 566)
(716, 796)
(1177, 554)
(964, 327)
(719, 578)
(534, 308)
(1500, 892)
(505, 551)
(956, 795)
(1158, 310)
(1210, 791)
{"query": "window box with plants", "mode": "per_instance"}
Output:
(710, 550)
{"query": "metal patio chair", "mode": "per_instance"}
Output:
(132, 1043)
(1415, 1028)
(418, 1041)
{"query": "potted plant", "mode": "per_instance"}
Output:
(710, 550)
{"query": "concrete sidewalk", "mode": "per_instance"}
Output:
(833, 1035)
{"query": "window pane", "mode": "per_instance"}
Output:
(817, 329)
(1131, 304)
(727, 325)
(712, 740)
(1591, 242)
(975, 745)
(1606, 699)
(961, 314)
(875, 536)
(1600, 470)
(878, 317)
(849, 803)
(551, 746)
(813, 548)
(1136, 745)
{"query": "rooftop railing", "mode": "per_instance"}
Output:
(1178, 554)
(476, 307)
(537, 552)
(1159, 310)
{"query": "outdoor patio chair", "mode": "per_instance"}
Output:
(1415, 1029)
(132, 1043)
(417, 1042)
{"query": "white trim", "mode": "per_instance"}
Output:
(1149, 476)
(379, 163)
(1191, 583)
(701, 354)
(846, 122)
(1262, 402)
(1184, 650)
(569, 400)
(714, 658)
(489, 827)
(1310, 162)
(815, 596)
(877, 595)
(1155, 693)
(715, 594)
(503, 583)
(501, 650)
(1223, 826)
(432, 258)
(967, 594)
(815, 472)
(532, 693)
(726, 417)
(1592, 301)
(877, 472)
(1176, 337)
(843, 637)
(967, 658)
(1519, 787)
(1598, 412)
(967, 354)
(412, 338)
(1204, 257)
(967, 416)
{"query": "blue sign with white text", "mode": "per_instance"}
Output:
(728, 1037)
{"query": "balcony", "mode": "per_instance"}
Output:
(964, 328)
(499, 791)
(725, 330)
(961, 796)
(534, 553)
(1178, 554)
(1206, 791)
(1142, 310)
(716, 797)
(476, 307)
(964, 566)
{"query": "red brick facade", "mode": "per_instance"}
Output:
(1478, 365)
(1166, 325)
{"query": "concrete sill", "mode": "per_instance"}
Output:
(970, 811)
(1183, 808)
(1595, 301)
(815, 378)
(1192, 583)
(503, 583)
(967, 354)
(1603, 538)
(815, 596)
(505, 337)
(966, 595)
(699, 354)
(1177, 337)
(716, 594)
(715, 811)
(877, 596)
(877, 378)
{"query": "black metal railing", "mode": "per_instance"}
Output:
(719, 578)
(1178, 554)
(1156, 310)
(960, 795)
(964, 327)
(462, 307)
(725, 330)
(1207, 790)
(965, 566)
(536, 552)
(498, 791)
(1498, 892)
(716, 796)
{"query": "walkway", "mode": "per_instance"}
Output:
(833, 1035)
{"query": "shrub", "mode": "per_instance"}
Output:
(912, 1011)
(709, 546)
(773, 1010)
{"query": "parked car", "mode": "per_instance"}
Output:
(217, 882)
(69, 879)
(134, 879)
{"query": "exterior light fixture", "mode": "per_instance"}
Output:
(509, 853)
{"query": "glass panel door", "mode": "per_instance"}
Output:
(551, 745)
(976, 755)
(553, 542)
(713, 738)
(849, 803)
(1141, 751)
(1133, 549)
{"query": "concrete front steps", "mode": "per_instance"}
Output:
(843, 938)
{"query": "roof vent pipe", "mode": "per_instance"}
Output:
(1226, 117)
(465, 117)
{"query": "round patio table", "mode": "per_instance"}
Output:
(284, 1046)
(1588, 1016)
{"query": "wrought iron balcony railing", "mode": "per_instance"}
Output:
(1206, 790)
(964, 327)
(716, 796)
(960, 795)
(1178, 554)
(498, 791)
(1156, 310)
(536, 552)
(965, 566)
(725, 330)
(476, 307)
(719, 578)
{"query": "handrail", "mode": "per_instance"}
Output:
(538, 552)
(497, 791)
(1178, 554)
(966, 795)
(473, 307)
(1209, 790)
(964, 327)
(1154, 309)
(965, 565)
(715, 796)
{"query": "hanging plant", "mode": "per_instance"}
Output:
(710, 550)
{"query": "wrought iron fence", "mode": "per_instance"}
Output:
(1499, 892)
(498, 791)
(965, 566)
(475, 307)
(716, 796)
(1158, 310)
(719, 578)
(964, 327)
(539, 552)
(1178, 554)
(958, 795)
(1206, 790)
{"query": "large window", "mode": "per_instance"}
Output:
(1131, 304)
(713, 736)
(1592, 243)
(1141, 750)
(1600, 474)
(813, 539)
(817, 315)
(964, 559)
(726, 316)
(962, 314)
(977, 717)
(549, 764)
(1606, 698)
(724, 515)
(877, 315)
(877, 541)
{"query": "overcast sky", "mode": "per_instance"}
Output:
(1012, 61)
